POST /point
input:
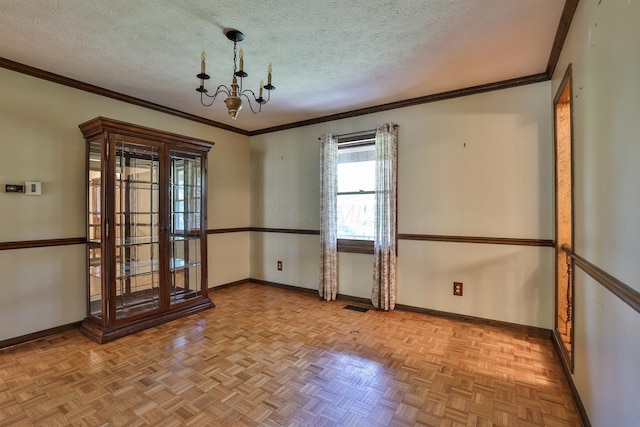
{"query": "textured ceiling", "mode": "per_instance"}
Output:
(328, 56)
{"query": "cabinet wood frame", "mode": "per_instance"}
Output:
(106, 131)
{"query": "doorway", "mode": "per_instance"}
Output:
(564, 300)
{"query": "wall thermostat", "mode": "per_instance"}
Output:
(33, 188)
(13, 188)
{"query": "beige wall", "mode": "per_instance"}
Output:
(40, 140)
(499, 184)
(476, 166)
(602, 47)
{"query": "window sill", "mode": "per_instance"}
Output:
(355, 246)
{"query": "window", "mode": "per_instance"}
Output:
(356, 195)
(356, 192)
(358, 205)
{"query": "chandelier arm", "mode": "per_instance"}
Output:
(202, 95)
(244, 93)
(255, 98)
(219, 90)
(235, 91)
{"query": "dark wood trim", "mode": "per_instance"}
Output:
(567, 354)
(483, 240)
(363, 301)
(228, 230)
(38, 335)
(524, 329)
(425, 237)
(307, 291)
(107, 325)
(569, 10)
(28, 244)
(228, 285)
(617, 287)
(76, 84)
(566, 78)
(561, 33)
(584, 418)
(101, 334)
(357, 139)
(285, 230)
(312, 292)
(355, 246)
(565, 357)
(344, 245)
(100, 125)
(515, 327)
(505, 84)
(204, 192)
(353, 193)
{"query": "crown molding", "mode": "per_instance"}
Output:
(504, 84)
(568, 11)
(77, 84)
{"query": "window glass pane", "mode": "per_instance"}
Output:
(356, 169)
(359, 176)
(185, 248)
(361, 153)
(137, 229)
(356, 216)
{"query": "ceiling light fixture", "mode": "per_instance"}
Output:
(235, 91)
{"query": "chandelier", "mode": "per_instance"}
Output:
(234, 92)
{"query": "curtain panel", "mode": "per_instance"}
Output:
(383, 294)
(328, 286)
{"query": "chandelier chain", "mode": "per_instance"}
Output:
(235, 51)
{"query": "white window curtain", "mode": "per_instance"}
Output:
(383, 294)
(328, 286)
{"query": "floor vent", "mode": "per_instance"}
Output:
(354, 308)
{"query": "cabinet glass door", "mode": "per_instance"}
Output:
(137, 229)
(185, 229)
(94, 228)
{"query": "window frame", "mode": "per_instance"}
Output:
(358, 246)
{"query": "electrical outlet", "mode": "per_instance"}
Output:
(457, 288)
(279, 265)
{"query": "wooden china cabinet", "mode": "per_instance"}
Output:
(146, 228)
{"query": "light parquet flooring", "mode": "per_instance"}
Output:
(272, 357)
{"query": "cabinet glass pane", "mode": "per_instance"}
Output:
(185, 198)
(94, 229)
(137, 229)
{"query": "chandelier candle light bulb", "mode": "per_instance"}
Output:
(235, 91)
(203, 57)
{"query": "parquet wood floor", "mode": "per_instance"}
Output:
(272, 357)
